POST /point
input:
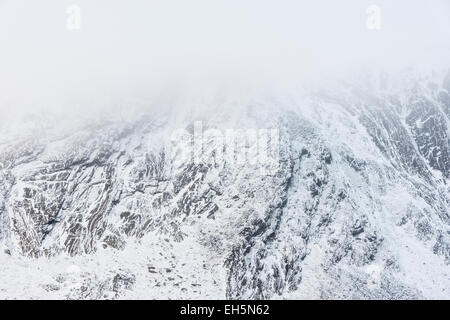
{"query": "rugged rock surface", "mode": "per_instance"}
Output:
(358, 207)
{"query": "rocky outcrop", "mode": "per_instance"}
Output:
(360, 190)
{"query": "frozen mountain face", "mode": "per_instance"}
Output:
(357, 205)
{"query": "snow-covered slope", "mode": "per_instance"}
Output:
(357, 207)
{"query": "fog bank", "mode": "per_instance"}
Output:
(135, 50)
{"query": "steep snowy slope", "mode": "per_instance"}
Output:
(354, 202)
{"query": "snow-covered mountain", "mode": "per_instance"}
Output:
(358, 205)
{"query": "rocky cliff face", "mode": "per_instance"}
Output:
(358, 206)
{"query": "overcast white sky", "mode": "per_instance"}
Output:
(125, 46)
